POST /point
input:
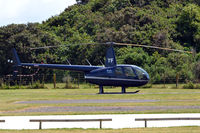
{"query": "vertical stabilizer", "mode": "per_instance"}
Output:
(110, 57)
(15, 57)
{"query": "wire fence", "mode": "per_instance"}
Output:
(75, 78)
(42, 78)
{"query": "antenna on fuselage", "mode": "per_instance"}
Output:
(68, 62)
(102, 63)
(88, 62)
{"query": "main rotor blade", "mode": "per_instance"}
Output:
(155, 47)
(113, 43)
(45, 47)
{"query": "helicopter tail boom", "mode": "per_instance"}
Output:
(18, 64)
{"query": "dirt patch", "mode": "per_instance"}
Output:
(99, 109)
(87, 101)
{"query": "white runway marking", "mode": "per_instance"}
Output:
(118, 121)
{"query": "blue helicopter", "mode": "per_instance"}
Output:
(109, 75)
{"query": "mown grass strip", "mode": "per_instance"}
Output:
(131, 130)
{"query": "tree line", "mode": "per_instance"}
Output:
(168, 23)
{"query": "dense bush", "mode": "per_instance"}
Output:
(171, 24)
(191, 85)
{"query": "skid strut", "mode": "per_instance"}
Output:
(101, 91)
(123, 89)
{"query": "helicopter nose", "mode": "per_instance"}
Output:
(147, 75)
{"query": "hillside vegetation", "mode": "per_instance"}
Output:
(163, 23)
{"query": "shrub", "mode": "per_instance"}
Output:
(197, 86)
(189, 85)
(68, 81)
(6, 87)
(37, 85)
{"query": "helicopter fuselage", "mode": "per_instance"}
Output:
(120, 75)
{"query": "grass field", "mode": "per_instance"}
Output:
(168, 96)
(135, 130)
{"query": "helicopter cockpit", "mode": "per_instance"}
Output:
(122, 72)
(131, 72)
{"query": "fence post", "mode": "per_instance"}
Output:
(145, 123)
(20, 80)
(100, 124)
(40, 125)
(43, 79)
(78, 79)
(1, 82)
(32, 80)
(54, 80)
(9, 81)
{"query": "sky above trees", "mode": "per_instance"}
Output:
(24, 11)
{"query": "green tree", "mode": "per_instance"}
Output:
(182, 64)
(23, 37)
(134, 56)
(188, 26)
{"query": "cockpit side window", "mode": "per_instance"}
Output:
(118, 71)
(140, 74)
(129, 72)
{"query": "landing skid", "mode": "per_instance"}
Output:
(134, 92)
(101, 91)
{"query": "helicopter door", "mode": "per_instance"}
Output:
(119, 72)
(129, 73)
